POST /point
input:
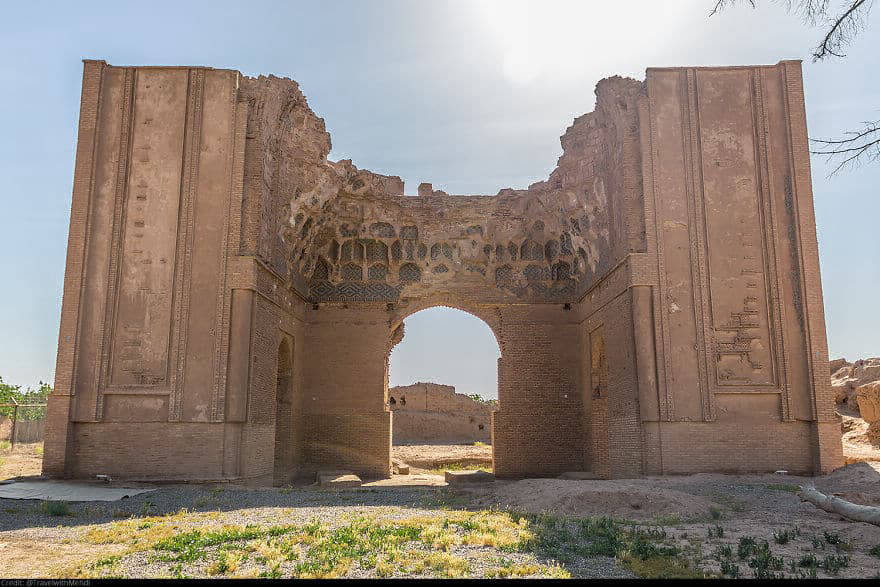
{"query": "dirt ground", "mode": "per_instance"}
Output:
(696, 525)
(428, 457)
(24, 460)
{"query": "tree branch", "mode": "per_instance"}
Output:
(842, 30)
(864, 144)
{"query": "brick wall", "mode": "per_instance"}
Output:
(700, 250)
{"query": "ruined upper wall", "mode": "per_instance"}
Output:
(353, 236)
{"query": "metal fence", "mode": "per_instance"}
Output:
(22, 423)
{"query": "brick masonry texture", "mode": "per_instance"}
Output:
(231, 296)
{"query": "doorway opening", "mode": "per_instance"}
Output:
(442, 387)
(284, 449)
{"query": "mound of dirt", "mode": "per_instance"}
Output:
(619, 499)
(856, 482)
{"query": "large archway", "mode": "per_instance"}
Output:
(442, 387)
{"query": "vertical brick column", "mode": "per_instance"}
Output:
(58, 438)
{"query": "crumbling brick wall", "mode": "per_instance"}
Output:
(208, 226)
(430, 413)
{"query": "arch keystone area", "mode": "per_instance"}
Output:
(657, 298)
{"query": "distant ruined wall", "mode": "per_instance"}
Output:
(656, 301)
(433, 413)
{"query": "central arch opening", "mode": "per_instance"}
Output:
(442, 387)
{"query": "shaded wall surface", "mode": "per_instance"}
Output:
(657, 300)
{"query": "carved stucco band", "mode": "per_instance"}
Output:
(108, 317)
(697, 231)
(189, 186)
(771, 242)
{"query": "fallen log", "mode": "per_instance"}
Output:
(835, 505)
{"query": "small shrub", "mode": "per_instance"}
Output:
(832, 538)
(764, 563)
(817, 542)
(723, 552)
(746, 547)
(783, 537)
(55, 508)
(147, 508)
(808, 574)
(875, 551)
(809, 561)
(729, 569)
(715, 513)
(716, 532)
(833, 563)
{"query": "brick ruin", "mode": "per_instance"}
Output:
(430, 413)
(231, 296)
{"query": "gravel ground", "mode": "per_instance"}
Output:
(759, 507)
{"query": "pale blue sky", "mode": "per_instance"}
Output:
(471, 96)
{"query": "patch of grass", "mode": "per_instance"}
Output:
(55, 508)
(507, 568)
(5, 445)
(662, 567)
(190, 546)
(413, 546)
(788, 487)
(443, 564)
(226, 563)
(644, 550)
(107, 561)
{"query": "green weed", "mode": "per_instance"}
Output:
(55, 508)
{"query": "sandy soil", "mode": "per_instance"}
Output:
(24, 460)
(434, 456)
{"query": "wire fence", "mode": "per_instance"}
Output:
(22, 423)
